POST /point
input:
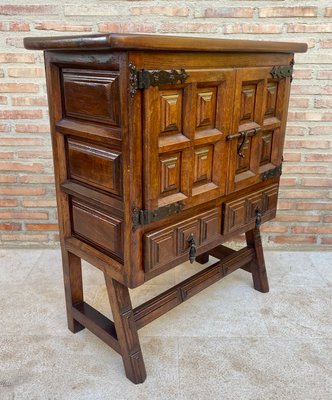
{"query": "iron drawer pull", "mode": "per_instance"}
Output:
(243, 135)
(192, 248)
(258, 218)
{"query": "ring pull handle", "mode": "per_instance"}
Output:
(239, 149)
(192, 248)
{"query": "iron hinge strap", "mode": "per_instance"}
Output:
(271, 173)
(144, 217)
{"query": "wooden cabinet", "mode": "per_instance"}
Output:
(164, 148)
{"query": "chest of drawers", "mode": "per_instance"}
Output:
(164, 148)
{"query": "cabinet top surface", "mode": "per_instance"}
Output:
(119, 42)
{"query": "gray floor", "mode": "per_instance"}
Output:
(228, 342)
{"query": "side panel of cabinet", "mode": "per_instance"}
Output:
(184, 139)
(260, 104)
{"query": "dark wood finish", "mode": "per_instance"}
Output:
(151, 174)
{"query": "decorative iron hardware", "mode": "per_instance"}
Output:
(271, 173)
(283, 71)
(244, 135)
(143, 217)
(143, 79)
(192, 248)
(258, 220)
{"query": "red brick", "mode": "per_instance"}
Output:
(21, 114)
(62, 27)
(274, 229)
(18, 88)
(10, 226)
(292, 157)
(225, 12)
(32, 9)
(313, 206)
(22, 191)
(20, 142)
(307, 144)
(19, 26)
(296, 130)
(311, 89)
(17, 166)
(301, 194)
(23, 215)
(36, 179)
(323, 103)
(31, 128)
(293, 239)
(304, 169)
(3, 100)
(309, 116)
(6, 155)
(4, 127)
(252, 28)
(8, 202)
(26, 72)
(17, 58)
(38, 203)
(326, 43)
(327, 218)
(312, 229)
(326, 240)
(302, 73)
(318, 157)
(324, 74)
(42, 227)
(124, 27)
(299, 102)
(287, 12)
(309, 28)
(285, 205)
(15, 42)
(296, 218)
(34, 154)
(160, 10)
(328, 12)
(7, 178)
(326, 182)
(29, 101)
(24, 238)
(287, 181)
(320, 130)
(190, 27)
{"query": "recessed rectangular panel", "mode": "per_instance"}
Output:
(97, 228)
(210, 226)
(266, 147)
(95, 165)
(170, 111)
(235, 215)
(271, 99)
(184, 232)
(248, 97)
(170, 168)
(91, 95)
(160, 248)
(243, 163)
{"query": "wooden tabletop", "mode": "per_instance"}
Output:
(118, 42)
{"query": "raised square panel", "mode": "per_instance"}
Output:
(206, 108)
(248, 97)
(170, 111)
(183, 233)
(160, 248)
(203, 164)
(254, 202)
(243, 163)
(104, 166)
(91, 95)
(170, 167)
(210, 226)
(235, 215)
(271, 198)
(266, 147)
(271, 99)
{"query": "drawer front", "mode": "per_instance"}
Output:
(168, 244)
(97, 228)
(241, 212)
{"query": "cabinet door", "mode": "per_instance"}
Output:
(260, 109)
(184, 139)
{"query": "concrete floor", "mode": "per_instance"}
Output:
(228, 342)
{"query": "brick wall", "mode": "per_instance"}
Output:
(27, 203)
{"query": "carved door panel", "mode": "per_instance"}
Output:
(184, 139)
(258, 126)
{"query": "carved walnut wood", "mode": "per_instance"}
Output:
(164, 148)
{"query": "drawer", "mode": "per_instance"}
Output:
(170, 243)
(241, 212)
(97, 228)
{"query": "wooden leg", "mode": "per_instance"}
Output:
(72, 274)
(126, 330)
(257, 266)
(203, 258)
